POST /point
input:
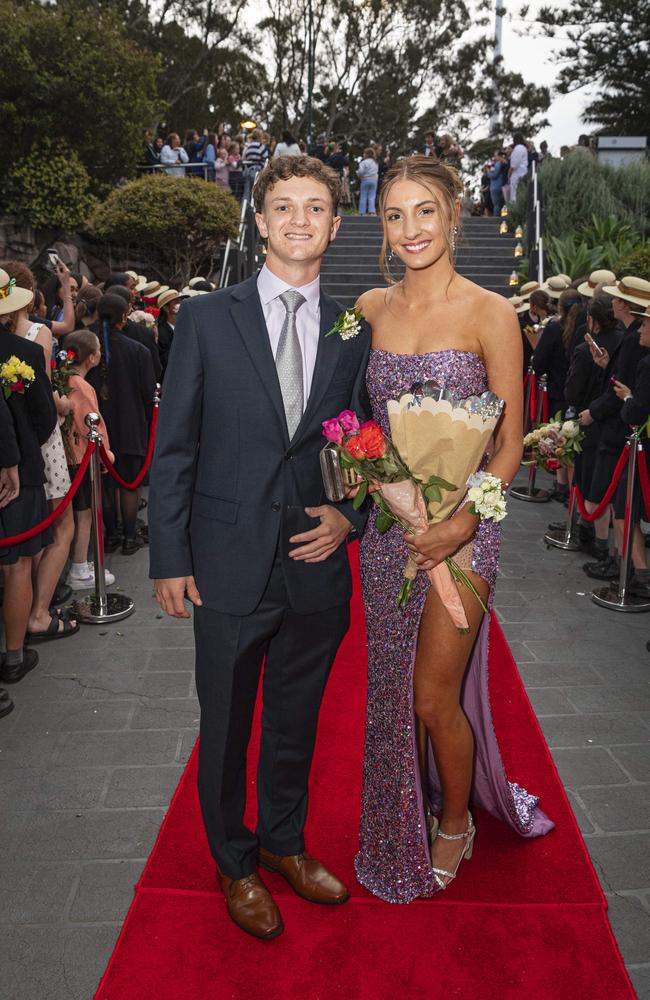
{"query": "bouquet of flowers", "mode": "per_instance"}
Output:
(62, 368)
(554, 444)
(436, 442)
(15, 376)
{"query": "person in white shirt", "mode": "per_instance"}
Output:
(368, 173)
(288, 146)
(172, 155)
(518, 164)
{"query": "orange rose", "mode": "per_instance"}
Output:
(372, 440)
(354, 447)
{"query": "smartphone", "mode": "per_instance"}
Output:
(592, 343)
(53, 258)
(337, 481)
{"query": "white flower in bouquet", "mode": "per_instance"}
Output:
(486, 497)
(570, 428)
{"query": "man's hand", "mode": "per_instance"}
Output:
(9, 485)
(322, 541)
(171, 591)
(585, 418)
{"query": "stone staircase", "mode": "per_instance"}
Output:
(351, 264)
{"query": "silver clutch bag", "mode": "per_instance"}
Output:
(337, 481)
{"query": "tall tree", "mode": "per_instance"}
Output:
(607, 47)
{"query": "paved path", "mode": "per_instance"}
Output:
(102, 729)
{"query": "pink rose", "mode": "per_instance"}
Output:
(348, 421)
(333, 431)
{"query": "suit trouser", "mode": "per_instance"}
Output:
(299, 652)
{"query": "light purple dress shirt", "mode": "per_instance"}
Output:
(270, 287)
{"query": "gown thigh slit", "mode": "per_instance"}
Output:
(394, 859)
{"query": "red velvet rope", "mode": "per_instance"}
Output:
(611, 490)
(645, 481)
(112, 471)
(533, 399)
(5, 543)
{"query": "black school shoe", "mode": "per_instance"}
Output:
(131, 546)
(11, 675)
(6, 704)
(640, 588)
(604, 569)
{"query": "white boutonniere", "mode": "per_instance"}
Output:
(348, 325)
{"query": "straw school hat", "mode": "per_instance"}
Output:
(641, 312)
(635, 290)
(12, 297)
(150, 288)
(140, 282)
(596, 278)
(520, 305)
(191, 293)
(556, 285)
(528, 288)
(567, 277)
(196, 279)
(132, 274)
(168, 296)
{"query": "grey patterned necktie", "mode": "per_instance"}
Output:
(288, 361)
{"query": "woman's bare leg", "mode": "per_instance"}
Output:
(50, 567)
(83, 524)
(441, 661)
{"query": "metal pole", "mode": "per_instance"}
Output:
(619, 598)
(99, 607)
(498, 35)
(564, 538)
(310, 71)
(531, 493)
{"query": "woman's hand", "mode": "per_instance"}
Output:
(436, 543)
(601, 358)
(621, 390)
(585, 418)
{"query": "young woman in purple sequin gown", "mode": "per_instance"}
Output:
(423, 675)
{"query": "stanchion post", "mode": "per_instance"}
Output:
(532, 493)
(619, 598)
(99, 607)
(564, 538)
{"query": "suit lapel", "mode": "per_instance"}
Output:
(247, 313)
(327, 357)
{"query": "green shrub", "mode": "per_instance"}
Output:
(50, 188)
(636, 263)
(177, 224)
(572, 255)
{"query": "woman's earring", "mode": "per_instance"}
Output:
(454, 235)
(389, 257)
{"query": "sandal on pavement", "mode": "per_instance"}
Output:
(54, 631)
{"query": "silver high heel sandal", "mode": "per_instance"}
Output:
(468, 837)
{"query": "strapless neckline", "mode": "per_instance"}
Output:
(427, 354)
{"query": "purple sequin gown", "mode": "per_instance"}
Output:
(394, 861)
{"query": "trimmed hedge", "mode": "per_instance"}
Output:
(177, 224)
(50, 188)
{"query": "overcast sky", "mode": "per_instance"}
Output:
(532, 56)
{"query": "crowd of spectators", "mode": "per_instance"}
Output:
(590, 337)
(68, 348)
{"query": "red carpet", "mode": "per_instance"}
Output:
(526, 919)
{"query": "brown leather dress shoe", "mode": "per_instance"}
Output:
(307, 877)
(251, 906)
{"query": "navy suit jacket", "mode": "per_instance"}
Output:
(228, 489)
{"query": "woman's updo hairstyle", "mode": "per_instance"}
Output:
(444, 184)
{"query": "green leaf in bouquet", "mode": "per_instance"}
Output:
(441, 483)
(404, 595)
(361, 495)
(432, 493)
(384, 522)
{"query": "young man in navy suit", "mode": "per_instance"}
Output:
(239, 525)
